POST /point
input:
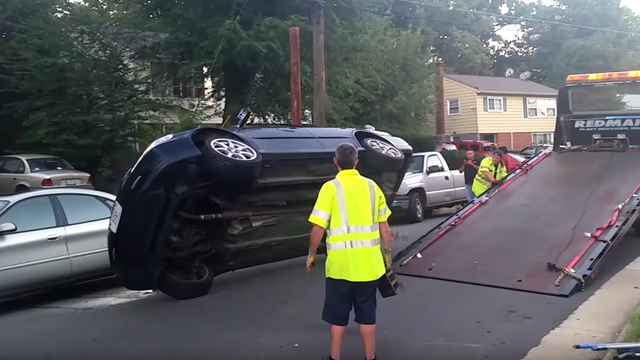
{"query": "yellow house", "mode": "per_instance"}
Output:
(508, 111)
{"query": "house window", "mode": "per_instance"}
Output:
(453, 106)
(456, 138)
(541, 107)
(488, 137)
(542, 139)
(494, 104)
(168, 81)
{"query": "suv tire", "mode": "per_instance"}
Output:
(230, 159)
(181, 289)
(382, 155)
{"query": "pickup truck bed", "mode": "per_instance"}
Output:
(534, 225)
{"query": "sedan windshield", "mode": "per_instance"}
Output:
(3, 204)
(416, 165)
(48, 164)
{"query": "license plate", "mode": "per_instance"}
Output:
(115, 217)
(70, 182)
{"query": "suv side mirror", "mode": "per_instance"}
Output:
(7, 228)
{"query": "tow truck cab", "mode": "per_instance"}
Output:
(600, 111)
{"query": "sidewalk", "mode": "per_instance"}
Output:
(599, 319)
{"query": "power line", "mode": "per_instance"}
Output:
(520, 18)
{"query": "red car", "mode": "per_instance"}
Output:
(511, 161)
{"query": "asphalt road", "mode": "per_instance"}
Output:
(273, 312)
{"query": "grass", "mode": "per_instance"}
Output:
(632, 332)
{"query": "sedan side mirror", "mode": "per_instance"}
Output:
(7, 228)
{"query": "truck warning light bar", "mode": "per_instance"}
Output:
(608, 76)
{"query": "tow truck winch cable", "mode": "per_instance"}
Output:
(593, 237)
(523, 170)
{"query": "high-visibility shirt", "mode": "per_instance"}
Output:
(350, 208)
(480, 182)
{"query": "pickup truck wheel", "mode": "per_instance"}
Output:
(179, 288)
(382, 155)
(416, 207)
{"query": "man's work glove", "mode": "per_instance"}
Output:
(311, 261)
(386, 254)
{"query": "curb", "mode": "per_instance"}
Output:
(595, 321)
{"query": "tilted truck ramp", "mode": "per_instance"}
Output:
(557, 214)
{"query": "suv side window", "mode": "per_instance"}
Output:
(475, 147)
(83, 208)
(433, 160)
(462, 147)
(31, 214)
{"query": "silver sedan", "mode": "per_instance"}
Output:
(52, 237)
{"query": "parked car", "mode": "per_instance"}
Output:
(52, 237)
(24, 172)
(531, 151)
(427, 185)
(512, 160)
(445, 146)
(211, 200)
(481, 147)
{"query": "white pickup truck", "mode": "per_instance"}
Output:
(428, 184)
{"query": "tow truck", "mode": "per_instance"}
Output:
(550, 224)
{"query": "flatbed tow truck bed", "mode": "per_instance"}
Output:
(544, 230)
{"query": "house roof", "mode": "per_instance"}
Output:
(503, 85)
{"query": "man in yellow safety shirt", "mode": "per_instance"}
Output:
(491, 171)
(353, 211)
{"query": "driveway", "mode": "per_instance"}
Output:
(273, 312)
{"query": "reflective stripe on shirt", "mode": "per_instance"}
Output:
(353, 244)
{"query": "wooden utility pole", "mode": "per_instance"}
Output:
(440, 126)
(296, 86)
(319, 92)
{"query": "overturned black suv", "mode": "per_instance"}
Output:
(211, 200)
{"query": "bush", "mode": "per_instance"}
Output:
(454, 158)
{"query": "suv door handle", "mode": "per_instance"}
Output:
(54, 238)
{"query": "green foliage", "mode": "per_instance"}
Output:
(419, 142)
(80, 97)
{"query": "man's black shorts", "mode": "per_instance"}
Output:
(341, 296)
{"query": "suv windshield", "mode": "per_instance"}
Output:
(47, 164)
(416, 165)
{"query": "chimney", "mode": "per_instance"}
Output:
(440, 129)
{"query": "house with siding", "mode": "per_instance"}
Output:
(508, 111)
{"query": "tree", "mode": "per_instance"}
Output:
(566, 37)
(80, 95)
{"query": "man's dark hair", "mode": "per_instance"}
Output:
(346, 156)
